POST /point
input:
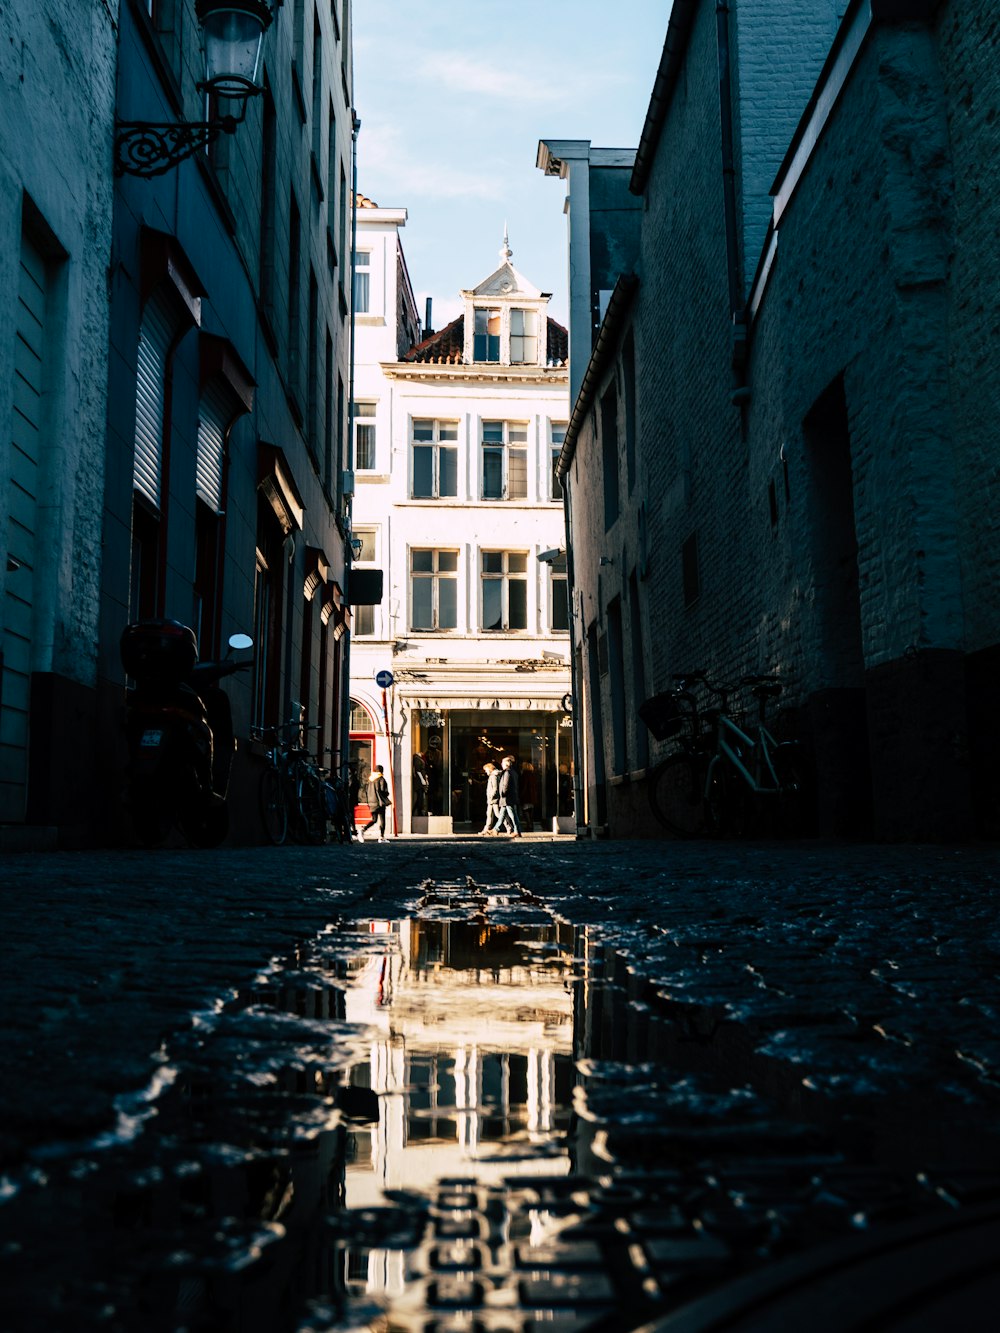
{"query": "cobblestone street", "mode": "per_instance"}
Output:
(743, 1021)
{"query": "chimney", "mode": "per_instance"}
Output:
(428, 330)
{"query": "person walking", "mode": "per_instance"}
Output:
(509, 797)
(492, 799)
(379, 801)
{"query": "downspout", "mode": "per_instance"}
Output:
(737, 305)
(345, 705)
(579, 786)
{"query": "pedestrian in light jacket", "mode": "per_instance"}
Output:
(492, 798)
(379, 802)
(509, 797)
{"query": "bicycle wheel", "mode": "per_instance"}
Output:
(730, 807)
(272, 806)
(791, 802)
(311, 802)
(675, 796)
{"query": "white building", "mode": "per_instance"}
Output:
(456, 500)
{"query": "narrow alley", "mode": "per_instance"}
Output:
(476, 1085)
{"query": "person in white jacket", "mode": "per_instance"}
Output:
(492, 798)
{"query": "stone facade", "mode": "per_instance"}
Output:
(174, 390)
(803, 471)
(230, 296)
(57, 107)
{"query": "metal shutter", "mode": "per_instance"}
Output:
(154, 341)
(212, 417)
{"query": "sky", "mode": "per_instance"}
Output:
(453, 96)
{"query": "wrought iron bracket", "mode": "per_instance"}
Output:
(147, 148)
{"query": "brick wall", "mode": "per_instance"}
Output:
(842, 516)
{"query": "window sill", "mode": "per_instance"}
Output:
(370, 321)
(370, 477)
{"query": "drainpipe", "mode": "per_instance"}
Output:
(579, 787)
(345, 707)
(737, 306)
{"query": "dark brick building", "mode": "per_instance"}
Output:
(781, 458)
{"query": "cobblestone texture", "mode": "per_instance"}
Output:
(838, 972)
(777, 1049)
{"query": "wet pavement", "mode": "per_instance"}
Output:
(470, 1086)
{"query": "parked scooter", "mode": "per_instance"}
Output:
(180, 732)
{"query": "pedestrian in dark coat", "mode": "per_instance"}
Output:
(379, 801)
(509, 797)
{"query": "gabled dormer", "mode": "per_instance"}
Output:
(505, 318)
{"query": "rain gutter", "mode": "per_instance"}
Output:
(607, 341)
(675, 44)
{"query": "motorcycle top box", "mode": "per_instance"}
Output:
(160, 651)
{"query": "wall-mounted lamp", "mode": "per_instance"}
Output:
(357, 545)
(234, 31)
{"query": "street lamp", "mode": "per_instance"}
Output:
(234, 32)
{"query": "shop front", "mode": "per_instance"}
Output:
(450, 746)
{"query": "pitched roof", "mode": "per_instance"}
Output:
(446, 347)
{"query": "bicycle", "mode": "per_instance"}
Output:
(338, 812)
(715, 782)
(676, 786)
(751, 770)
(292, 795)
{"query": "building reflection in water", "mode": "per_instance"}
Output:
(472, 1058)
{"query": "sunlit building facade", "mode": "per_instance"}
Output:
(457, 501)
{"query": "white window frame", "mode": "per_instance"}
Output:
(530, 319)
(362, 282)
(365, 421)
(504, 576)
(488, 310)
(436, 444)
(558, 575)
(434, 576)
(368, 555)
(508, 449)
(557, 437)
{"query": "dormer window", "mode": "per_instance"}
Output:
(486, 343)
(523, 337)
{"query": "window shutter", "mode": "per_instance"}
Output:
(212, 416)
(154, 341)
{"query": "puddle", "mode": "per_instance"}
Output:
(455, 1122)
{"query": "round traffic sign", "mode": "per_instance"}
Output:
(383, 679)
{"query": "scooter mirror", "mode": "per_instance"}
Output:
(240, 641)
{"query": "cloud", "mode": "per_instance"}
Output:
(461, 74)
(387, 160)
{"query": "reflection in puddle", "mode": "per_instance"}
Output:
(471, 1055)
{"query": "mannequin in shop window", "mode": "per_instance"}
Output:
(420, 785)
